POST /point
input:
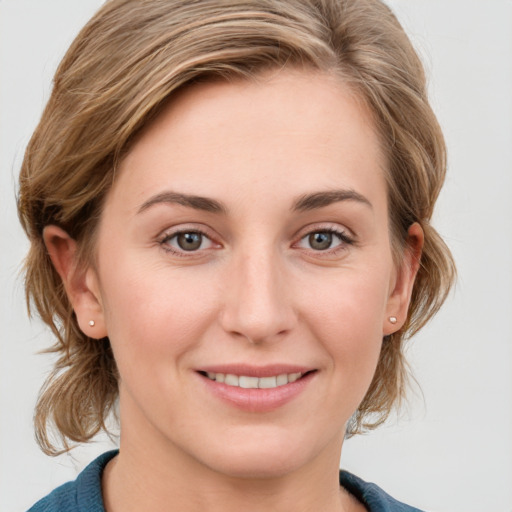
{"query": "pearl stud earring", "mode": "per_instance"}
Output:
(393, 319)
(92, 323)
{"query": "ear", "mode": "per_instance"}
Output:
(81, 284)
(401, 289)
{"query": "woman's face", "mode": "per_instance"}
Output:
(244, 274)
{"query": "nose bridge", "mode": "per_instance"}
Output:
(258, 306)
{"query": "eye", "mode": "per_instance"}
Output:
(187, 241)
(320, 241)
(324, 240)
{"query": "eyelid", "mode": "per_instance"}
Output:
(332, 227)
(347, 238)
(170, 233)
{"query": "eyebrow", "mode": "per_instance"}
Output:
(197, 202)
(322, 199)
(303, 203)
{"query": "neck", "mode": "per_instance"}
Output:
(153, 473)
(140, 478)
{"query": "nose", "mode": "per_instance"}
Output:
(258, 303)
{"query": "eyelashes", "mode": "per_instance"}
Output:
(194, 242)
(324, 240)
(188, 241)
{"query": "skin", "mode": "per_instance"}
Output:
(257, 291)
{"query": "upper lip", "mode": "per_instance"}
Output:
(255, 371)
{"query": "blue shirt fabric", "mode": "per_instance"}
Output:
(84, 494)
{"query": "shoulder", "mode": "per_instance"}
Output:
(81, 495)
(371, 495)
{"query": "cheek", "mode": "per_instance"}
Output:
(347, 315)
(154, 312)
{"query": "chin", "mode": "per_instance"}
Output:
(265, 457)
(257, 466)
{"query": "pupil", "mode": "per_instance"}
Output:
(320, 241)
(189, 241)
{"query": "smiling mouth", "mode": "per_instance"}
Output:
(249, 382)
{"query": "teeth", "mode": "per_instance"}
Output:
(268, 382)
(244, 381)
(281, 380)
(248, 382)
(293, 377)
(231, 380)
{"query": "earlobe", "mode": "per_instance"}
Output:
(398, 303)
(81, 284)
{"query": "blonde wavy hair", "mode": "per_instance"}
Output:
(125, 64)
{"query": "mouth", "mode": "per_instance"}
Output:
(253, 382)
(257, 388)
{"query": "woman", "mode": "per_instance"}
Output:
(228, 206)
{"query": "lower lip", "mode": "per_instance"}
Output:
(258, 400)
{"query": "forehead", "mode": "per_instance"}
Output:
(289, 128)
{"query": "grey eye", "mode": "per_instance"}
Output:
(182, 242)
(189, 241)
(320, 241)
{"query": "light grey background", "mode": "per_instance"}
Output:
(451, 450)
